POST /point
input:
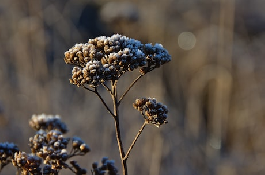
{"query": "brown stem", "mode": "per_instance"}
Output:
(134, 141)
(117, 126)
(106, 87)
(102, 100)
(131, 85)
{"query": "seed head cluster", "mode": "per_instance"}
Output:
(107, 58)
(47, 122)
(51, 145)
(107, 167)
(153, 112)
(7, 150)
(27, 163)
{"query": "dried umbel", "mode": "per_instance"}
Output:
(77, 169)
(27, 163)
(107, 58)
(7, 150)
(51, 145)
(153, 112)
(48, 149)
(47, 122)
(107, 167)
(102, 61)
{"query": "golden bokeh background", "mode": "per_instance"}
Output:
(214, 86)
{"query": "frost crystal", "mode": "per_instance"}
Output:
(107, 58)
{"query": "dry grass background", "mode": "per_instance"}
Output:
(214, 91)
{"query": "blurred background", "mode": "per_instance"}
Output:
(214, 85)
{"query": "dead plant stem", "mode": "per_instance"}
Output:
(117, 125)
(134, 141)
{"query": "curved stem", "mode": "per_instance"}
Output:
(102, 100)
(131, 85)
(134, 141)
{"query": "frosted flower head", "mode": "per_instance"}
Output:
(79, 145)
(27, 163)
(47, 122)
(107, 58)
(77, 169)
(7, 150)
(107, 167)
(155, 57)
(153, 111)
(51, 147)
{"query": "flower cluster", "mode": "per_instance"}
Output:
(48, 149)
(50, 145)
(107, 167)
(153, 112)
(7, 150)
(47, 122)
(79, 145)
(155, 57)
(27, 163)
(77, 169)
(107, 58)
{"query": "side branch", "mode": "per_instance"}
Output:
(134, 141)
(102, 100)
(129, 88)
(106, 87)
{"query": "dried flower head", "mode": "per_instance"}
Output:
(50, 145)
(107, 58)
(79, 145)
(47, 122)
(153, 112)
(77, 169)
(7, 150)
(107, 167)
(52, 148)
(27, 163)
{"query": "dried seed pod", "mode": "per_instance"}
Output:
(153, 112)
(122, 53)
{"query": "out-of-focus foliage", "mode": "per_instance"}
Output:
(214, 85)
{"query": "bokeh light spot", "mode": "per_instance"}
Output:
(186, 40)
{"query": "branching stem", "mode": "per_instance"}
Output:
(129, 88)
(134, 141)
(102, 100)
(117, 125)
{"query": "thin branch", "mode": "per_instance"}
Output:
(131, 85)
(91, 90)
(102, 100)
(106, 87)
(134, 141)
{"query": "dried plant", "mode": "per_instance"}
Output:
(104, 60)
(100, 62)
(49, 152)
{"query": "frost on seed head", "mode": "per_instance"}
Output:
(107, 58)
(47, 122)
(153, 111)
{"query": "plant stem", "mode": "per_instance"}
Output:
(131, 85)
(134, 141)
(102, 100)
(117, 125)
